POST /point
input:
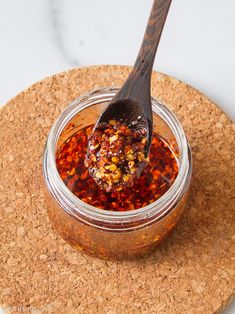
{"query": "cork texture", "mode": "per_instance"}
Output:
(193, 272)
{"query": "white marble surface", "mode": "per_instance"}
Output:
(41, 37)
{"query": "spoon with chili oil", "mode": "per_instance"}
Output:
(130, 110)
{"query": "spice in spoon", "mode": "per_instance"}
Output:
(115, 156)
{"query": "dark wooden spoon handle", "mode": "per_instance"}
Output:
(146, 56)
(137, 86)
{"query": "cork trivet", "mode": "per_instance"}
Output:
(193, 272)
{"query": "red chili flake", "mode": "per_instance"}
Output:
(154, 181)
(115, 155)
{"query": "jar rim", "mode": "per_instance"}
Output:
(73, 204)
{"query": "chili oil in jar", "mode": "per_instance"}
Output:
(121, 224)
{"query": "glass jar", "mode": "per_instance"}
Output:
(110, 234)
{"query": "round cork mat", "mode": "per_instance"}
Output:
(193, 272)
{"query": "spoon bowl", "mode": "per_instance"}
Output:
(129, 113)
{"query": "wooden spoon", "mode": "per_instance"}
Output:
(132, 104)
